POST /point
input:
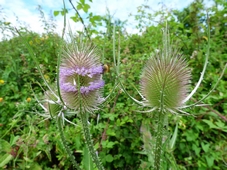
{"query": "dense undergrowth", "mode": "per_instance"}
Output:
(29, 141)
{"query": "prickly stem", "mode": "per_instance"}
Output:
(89, 142)
(71, 157)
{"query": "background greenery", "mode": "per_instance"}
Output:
(29, 141)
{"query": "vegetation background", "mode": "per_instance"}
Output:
(29, 141)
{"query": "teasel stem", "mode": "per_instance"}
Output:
(158, 145)
(87, 136)
(86, 131)
(68, 151)
(159, 133)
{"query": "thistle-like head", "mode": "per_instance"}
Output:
(80, 75)
(165, 80)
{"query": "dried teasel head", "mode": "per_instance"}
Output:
(165, 80)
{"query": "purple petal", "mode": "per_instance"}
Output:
(81, 71)
(93, 86)
(68, 87)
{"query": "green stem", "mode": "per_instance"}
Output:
(89, 142)
(158, 146)
(71, 157)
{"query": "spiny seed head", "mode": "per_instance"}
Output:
(165, 80)
(80, 75)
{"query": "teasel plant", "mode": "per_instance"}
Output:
(164, 90)
(80, 82)
(77, 90)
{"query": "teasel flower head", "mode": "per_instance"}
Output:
(80, 75)
(165, 81)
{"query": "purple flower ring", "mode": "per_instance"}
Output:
(80, 76)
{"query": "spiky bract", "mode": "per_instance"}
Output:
(52, 104)
(80, 75)
(165, 80)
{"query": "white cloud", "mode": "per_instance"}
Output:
(29, 16)
(26, 11)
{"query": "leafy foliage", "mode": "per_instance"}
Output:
(27, 141)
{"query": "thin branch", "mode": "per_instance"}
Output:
(63, 31)
(81, 19)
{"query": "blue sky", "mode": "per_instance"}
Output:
(26, 11)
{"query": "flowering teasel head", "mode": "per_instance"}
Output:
(80, 75)
(165, 81)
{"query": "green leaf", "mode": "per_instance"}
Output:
(109, 158)
(64, 11)
(205, 146)
(4, 159)
(87, 161)
(13, 139)
(110, 132)
(196, 149)
(174, 137)
(191, 135)
(86, 7)
(210, 161)
(5, 146)
(79, 6)
(82, 2)
(56, 13)
(96, 18)
(35, 167)
(75, 18)
(171, 161)
(220, 124)
(108, 144)
(118, 122)
(47, 151)
(211, 124)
